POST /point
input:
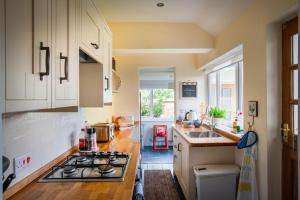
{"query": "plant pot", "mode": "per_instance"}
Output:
(217, 121)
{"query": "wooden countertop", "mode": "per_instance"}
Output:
(91, 190)
(204, 142)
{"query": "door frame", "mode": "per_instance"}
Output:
(290, 147)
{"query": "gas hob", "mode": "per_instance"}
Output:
(90, 166)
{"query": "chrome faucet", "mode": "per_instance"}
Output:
(212, 124)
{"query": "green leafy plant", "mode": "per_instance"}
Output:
(216, 113)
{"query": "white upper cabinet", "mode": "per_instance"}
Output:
(65, 54)
(91, 30)
(28, 81)
(107, 65)
(96, 41)
(37, 33)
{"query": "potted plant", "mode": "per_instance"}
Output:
(217, 114)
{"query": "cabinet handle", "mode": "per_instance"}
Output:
(107, 83)
(47, 49)
(66, 77)
(96, 46)
(179, 147)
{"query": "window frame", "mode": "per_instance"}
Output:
(239, 86)
(151, 117)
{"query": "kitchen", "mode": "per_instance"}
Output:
(57, 72)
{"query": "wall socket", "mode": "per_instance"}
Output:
(22, 162)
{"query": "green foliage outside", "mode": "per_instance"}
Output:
(145, 102)
(217, 113)
(159, 97)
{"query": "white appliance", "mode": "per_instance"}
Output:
(216, 182)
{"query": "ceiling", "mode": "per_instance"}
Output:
(211, 15)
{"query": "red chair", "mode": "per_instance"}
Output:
(160, 131)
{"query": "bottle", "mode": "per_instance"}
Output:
(235, 124)
(91, 139)
(82, 140)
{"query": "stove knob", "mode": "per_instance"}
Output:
(116, 153)
(108, 153)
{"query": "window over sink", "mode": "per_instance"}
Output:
(225, 87)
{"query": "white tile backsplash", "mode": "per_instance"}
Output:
(45, 135)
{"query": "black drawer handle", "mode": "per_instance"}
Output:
(96, 46)
(47, 49)
(66, 77)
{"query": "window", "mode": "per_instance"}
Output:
(157, 103)
(225, 90)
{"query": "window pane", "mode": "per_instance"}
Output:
(295, 125)
(212, 82)
(295, 83)
(163, 103)
(228, 92)
(145, 103)
(295, 48)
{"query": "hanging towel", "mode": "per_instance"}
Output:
(247, 189)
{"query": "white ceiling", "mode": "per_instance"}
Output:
(211, 15)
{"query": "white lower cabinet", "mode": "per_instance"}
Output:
(187, 156)
(41, 54)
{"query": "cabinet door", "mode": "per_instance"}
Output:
(91, 36)
(107, 66)
(184, 149)
(177, 156)
(27, 27)
(65, 54)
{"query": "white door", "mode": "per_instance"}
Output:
(65, 54)
(28, 59)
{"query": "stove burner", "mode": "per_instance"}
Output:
(113, 159)
(69, 170)
(106, 169)
(81, 159)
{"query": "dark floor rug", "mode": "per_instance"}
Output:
(160, 185)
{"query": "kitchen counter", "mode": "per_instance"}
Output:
(205, 141)
(91, 190)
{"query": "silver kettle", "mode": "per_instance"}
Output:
(190, 116)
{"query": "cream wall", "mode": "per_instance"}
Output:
(149, 35)
(251, 29)
(96, 115)
(126, 102)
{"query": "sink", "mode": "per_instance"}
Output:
(202, 134)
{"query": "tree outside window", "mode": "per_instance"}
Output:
(157, 103)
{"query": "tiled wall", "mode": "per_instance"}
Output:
(45, 135)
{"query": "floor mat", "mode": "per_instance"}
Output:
(160, 185)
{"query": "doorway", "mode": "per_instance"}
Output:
(290, 110)
(157, 109)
